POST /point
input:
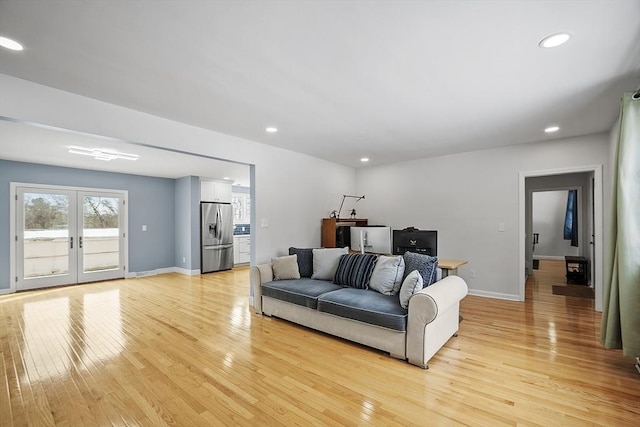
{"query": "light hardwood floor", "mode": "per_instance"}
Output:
(178, 350)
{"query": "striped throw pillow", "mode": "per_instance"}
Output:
(354, 270)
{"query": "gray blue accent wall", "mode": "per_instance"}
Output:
(187, 230)
(195, 223)
(151, 203)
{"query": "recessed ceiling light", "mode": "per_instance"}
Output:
(271, 129)
(554, 40)
(552, 129)
(364, 159)
(226, 178)
(10, 44)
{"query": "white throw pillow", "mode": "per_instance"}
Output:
(411, 284)
(387, 275)
(285, 267)
(325, 262)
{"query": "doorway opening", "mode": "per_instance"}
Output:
(589, 178)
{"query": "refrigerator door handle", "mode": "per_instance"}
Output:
(219, 224)
(214, 247)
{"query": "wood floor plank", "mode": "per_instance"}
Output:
(188, 350)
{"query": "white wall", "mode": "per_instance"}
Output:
(549, 209)
(292, 191)
(466, 196)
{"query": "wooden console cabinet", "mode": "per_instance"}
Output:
(330, 229)
(576, 267)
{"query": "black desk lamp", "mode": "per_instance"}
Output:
(344, 196)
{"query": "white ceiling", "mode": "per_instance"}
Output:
(390, 80)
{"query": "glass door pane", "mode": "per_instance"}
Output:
(100, 237)
(45, 238)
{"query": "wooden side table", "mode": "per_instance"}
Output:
(450, 266)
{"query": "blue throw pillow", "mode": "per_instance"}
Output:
(305, 260)
(426, 265)
(354, 270)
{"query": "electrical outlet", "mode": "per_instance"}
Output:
(184, 259)
(472, 274)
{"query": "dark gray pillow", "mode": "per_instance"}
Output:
(354, 270)
(426, 265)
(305, 260)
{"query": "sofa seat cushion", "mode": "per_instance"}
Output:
(303, 291)
(366, 306)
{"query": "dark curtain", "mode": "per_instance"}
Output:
(571, 218)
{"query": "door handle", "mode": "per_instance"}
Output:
(71, 241)
(217, 247)
(80, 242)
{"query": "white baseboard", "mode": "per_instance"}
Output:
(495, 295)
(146, 273)
(556, 257)
(6, 291)
(164, 270)
(186, 272)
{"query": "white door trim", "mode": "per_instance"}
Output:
(12, 222)
(597, 226)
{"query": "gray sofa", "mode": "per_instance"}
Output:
(365, 316)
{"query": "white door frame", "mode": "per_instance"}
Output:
(597, 226)
(13, 229)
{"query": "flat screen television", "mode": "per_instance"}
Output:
(419, 241)
(374, 239)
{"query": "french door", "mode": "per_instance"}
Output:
(66, 236)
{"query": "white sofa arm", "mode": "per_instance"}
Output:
(433, 318)
(259, 274)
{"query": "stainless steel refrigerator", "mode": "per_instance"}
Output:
(216, 237)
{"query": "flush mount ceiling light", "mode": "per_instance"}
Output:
(364, 159)
(100, 154)
(272, 129)
(10, 44)
(554, 40)
(552, 129)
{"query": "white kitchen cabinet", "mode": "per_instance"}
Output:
(236, 246)
(241, 249)
(214, 191)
